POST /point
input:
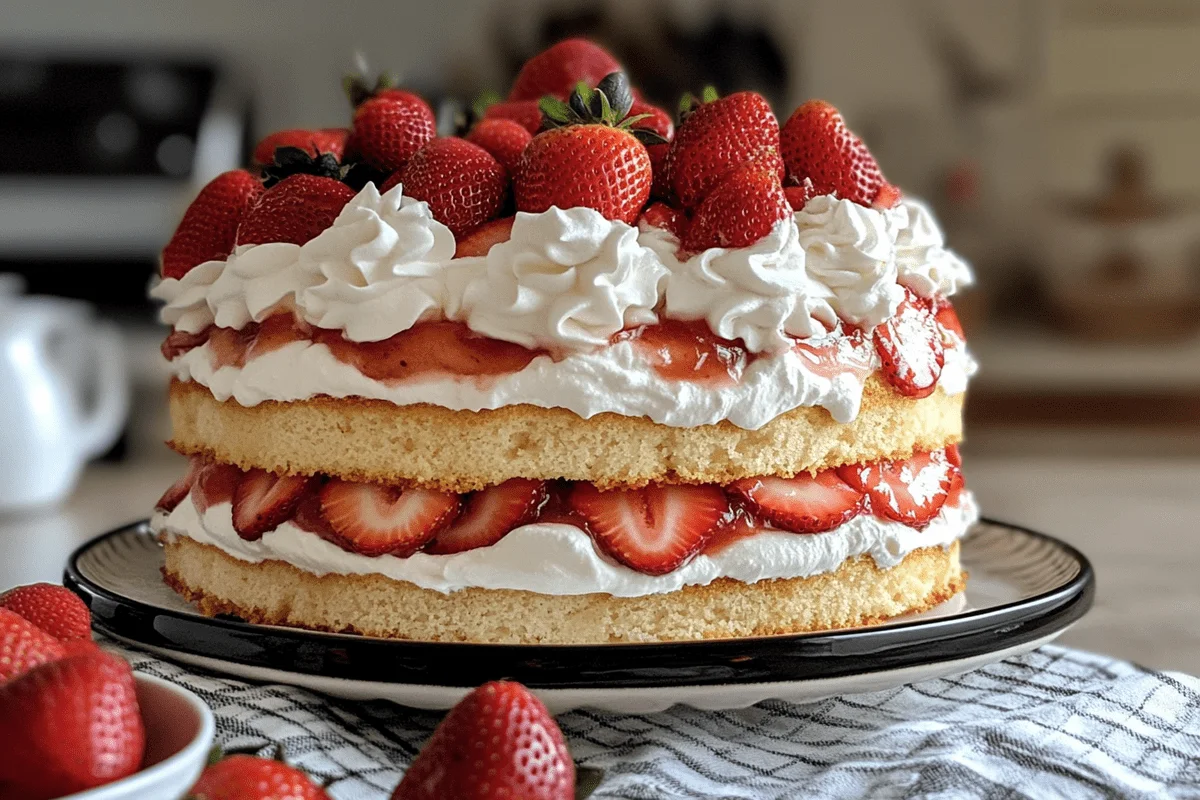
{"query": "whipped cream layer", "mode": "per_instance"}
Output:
(616, 379)
(560, 559)
(569, 280)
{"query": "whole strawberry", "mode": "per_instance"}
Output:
(817, 145)
(505, 139)
(498, 742)
(740, 210)
(70, 725)
(24, 645)
(55, 609)
(462, 183)
(591, 156)
(390, 127)
(209, 226)
(243, 777)
(294, 210)
(558, 69)
(717, 135)
(325, 140)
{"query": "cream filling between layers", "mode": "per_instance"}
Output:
(560, 559)
(616, 379)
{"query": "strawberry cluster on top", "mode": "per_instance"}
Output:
(572, 133)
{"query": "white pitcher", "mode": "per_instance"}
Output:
(50, 350)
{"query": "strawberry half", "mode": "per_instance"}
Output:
(556, 70)
(910, 348)
(215, 484)
(24, 645)
(263, 501)
(741, 209)
(817, 145)
(480, 240)
(805, 503)
(947, 317)
(498, 742)
(798, 196)
(325, 140)
(180, 489)
(718, 136)
(505, 139)
(390, 127)
(294, 210)
(210, 225)
(373, 520)
(653, 530)
(912, 491)
(462, 183)
(55, 609)
(490, 514)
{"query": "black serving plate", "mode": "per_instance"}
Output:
(1025, 587)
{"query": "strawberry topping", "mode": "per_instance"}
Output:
(556, 70)
(210, 225)
(489, 514)
(326, 140)
(805, 503)
(653, 530)
(505, 139)
(661, 215)
(740, 209)
(374, 520)
(910, 348)
(390, 127)
(294, 210)
(690, 351)
(462, 183)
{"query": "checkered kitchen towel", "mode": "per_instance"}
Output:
(1055, 723)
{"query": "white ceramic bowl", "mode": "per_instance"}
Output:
(179, 735)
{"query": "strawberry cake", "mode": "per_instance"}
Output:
(585, 373)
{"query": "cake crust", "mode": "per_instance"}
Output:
(276, 593)
(462, 451)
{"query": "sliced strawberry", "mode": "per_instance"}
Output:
(805, 503)
(910, 347)
(488, 515)
(945, 314)
(889, 195)
(661, 215)
(215, 484)
(263, 501)
(371, 520)
(653, 530)
(479, 241)
(957, 485)
(798, 196)
(180, 489)
(953, 456)
(179, 342)
(309, 517)
(911, 491)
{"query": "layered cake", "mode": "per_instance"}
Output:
(586, 373)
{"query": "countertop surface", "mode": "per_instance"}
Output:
(1135, 519)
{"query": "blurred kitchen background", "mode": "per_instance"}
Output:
(1056, 138)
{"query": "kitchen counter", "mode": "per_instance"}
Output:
(1135, 519)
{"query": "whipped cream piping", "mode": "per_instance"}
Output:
(616, 379)
(564, 280)
(569, 279)
(560, 559)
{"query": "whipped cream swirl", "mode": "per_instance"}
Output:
(923, 263)
(378, 269)
(566, 279)
(851, 250)
(762, 294)
(186, 299)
